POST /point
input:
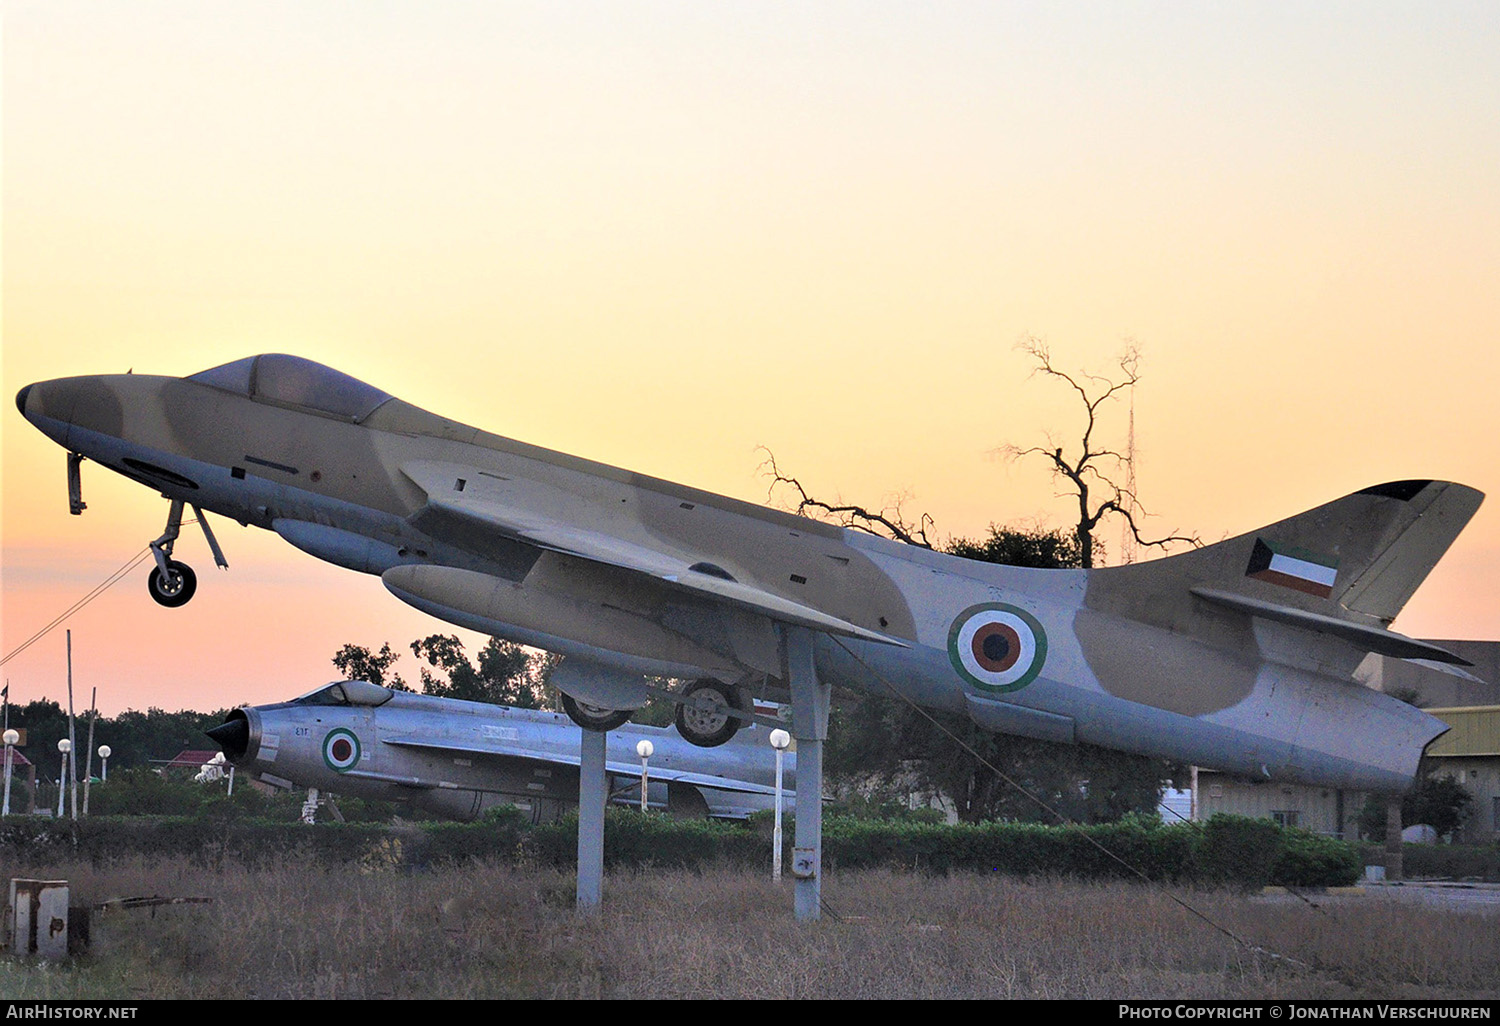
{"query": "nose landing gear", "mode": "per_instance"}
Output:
(172, 583)
(174, 586)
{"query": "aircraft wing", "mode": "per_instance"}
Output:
(463, 500)
(505, 749)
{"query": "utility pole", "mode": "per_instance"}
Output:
(72, 733)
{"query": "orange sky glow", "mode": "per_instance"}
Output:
(661, 235)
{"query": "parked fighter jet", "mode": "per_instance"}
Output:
(457, 759)
(1240, 655)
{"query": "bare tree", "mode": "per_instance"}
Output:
(1084, 468)
(888, 522)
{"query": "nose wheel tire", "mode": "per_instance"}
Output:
(176, 587)
(715, 724)
(593, 717)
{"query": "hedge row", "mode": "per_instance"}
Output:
(1443, 861)
(1227, 850)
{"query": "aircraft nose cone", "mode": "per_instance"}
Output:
(21, 399)
(233, 736)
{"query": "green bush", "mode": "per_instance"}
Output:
(877, 807)
(144, 792)
(1443, 861)
(1239, 850)
(1228, 850)
(1312, 860)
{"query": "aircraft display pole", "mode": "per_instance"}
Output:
(591, 796)
(810, 728)
(72, 734)
(88, 751)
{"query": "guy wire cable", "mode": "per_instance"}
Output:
(100, 589)
(1253, 948)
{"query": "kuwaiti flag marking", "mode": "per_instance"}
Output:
(1307, 572)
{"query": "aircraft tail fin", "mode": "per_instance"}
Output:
(1355, 560)
(1421, 520)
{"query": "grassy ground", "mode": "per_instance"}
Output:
(497, 931)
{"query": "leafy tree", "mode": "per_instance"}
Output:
(356, 662)
(139, 738)
(136, 738)
(505, 674)
(1036, 548)
(1440, 802)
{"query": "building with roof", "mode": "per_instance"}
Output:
(1470, 754)
(189, 759)
(22, 770)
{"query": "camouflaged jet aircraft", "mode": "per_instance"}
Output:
(457, 759)
(1243, 655)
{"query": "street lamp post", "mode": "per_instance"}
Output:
(11, 737)
(780, 739)
(63, 747)
(644, 749)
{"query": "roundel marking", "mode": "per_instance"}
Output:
(997, 647)
(341, 749)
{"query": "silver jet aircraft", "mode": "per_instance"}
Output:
(1241, 655)
(457, 759)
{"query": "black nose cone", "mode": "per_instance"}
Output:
(233, 736)
(21, 399)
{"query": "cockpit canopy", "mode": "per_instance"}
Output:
(284, 380)
(347, 692)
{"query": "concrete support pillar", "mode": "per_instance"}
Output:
(591, 797)
(810, 728)
(1393, 853)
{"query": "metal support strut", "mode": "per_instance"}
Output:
(213, 543)
(810, 727)
(592, 785)
(161, 549)
(76, 505)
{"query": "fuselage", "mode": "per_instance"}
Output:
(458, 759)
(1054, 654)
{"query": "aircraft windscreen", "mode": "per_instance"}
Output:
(280, 378)
(231, 377)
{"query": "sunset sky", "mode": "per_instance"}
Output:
(663, 234)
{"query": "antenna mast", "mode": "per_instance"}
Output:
(1127, 536)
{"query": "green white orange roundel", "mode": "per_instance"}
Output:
(341, 750)
(997, 647)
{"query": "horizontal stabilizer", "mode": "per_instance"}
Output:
(1368, 639)
(1451, 670)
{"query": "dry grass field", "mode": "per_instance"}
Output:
(486, 931)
